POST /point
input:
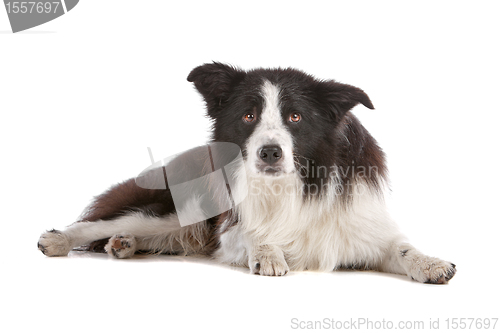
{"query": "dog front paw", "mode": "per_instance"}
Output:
(431, 270)
(269, 261)
(121, 246)
(54, 243)
(441, 273)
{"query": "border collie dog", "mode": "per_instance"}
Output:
(313, 180)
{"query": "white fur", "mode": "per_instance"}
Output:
(191, 213)
(280, 231)
(317, 233)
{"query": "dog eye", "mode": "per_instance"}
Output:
(295, 118)
(249, 117)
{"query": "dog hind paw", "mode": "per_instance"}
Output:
(54, 243)
(121, 246)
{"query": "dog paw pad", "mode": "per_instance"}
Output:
(121, 246)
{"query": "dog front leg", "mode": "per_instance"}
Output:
(402, 258)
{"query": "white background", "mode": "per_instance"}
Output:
(82, 97)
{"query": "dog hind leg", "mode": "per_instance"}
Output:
(129, 233)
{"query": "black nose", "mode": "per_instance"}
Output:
(270, 154)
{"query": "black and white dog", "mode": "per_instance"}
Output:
(314, 180)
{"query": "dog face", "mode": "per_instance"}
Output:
(269, 149)
(278, 117)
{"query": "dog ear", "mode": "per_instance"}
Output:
(215, 82)
(340, 98)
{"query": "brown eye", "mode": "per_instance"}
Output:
(295, 118)
(249, 117)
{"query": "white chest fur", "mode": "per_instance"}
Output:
(316, 234)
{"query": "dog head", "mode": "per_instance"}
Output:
(275, 116)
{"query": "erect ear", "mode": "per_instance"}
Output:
(215, 82)
(340, 98)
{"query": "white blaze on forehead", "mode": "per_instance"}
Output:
(271, 111)
(271, 130)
